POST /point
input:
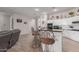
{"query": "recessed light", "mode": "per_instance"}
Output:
(55, 10)
(36, 9)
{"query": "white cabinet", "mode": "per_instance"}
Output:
(57, 46)
(73, 35)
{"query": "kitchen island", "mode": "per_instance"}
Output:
(57, 46)
(72, 34)
(71, 40)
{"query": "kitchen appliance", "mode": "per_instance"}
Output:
(50, 26)
(56, 27)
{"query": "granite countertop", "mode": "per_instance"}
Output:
(72, 29)
(57, 30)
(54, 30)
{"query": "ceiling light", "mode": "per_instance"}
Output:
(36, 9)
(55, 10)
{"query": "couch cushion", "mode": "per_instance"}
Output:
(15, 37)
(4, 39)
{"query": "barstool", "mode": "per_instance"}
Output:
(47, 38)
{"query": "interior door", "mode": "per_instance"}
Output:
(6, 23)
(1, 22)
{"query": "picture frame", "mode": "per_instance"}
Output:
(19, 20)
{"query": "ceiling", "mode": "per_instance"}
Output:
(30, 11)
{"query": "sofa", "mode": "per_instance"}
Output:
(8, 39)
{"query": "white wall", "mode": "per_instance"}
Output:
(32, 24)
(25, 28)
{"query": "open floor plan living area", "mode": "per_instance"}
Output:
(39, 29)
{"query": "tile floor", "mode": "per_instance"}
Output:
(69, 45)
(24, 44)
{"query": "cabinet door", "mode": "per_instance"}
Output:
(58, 42)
